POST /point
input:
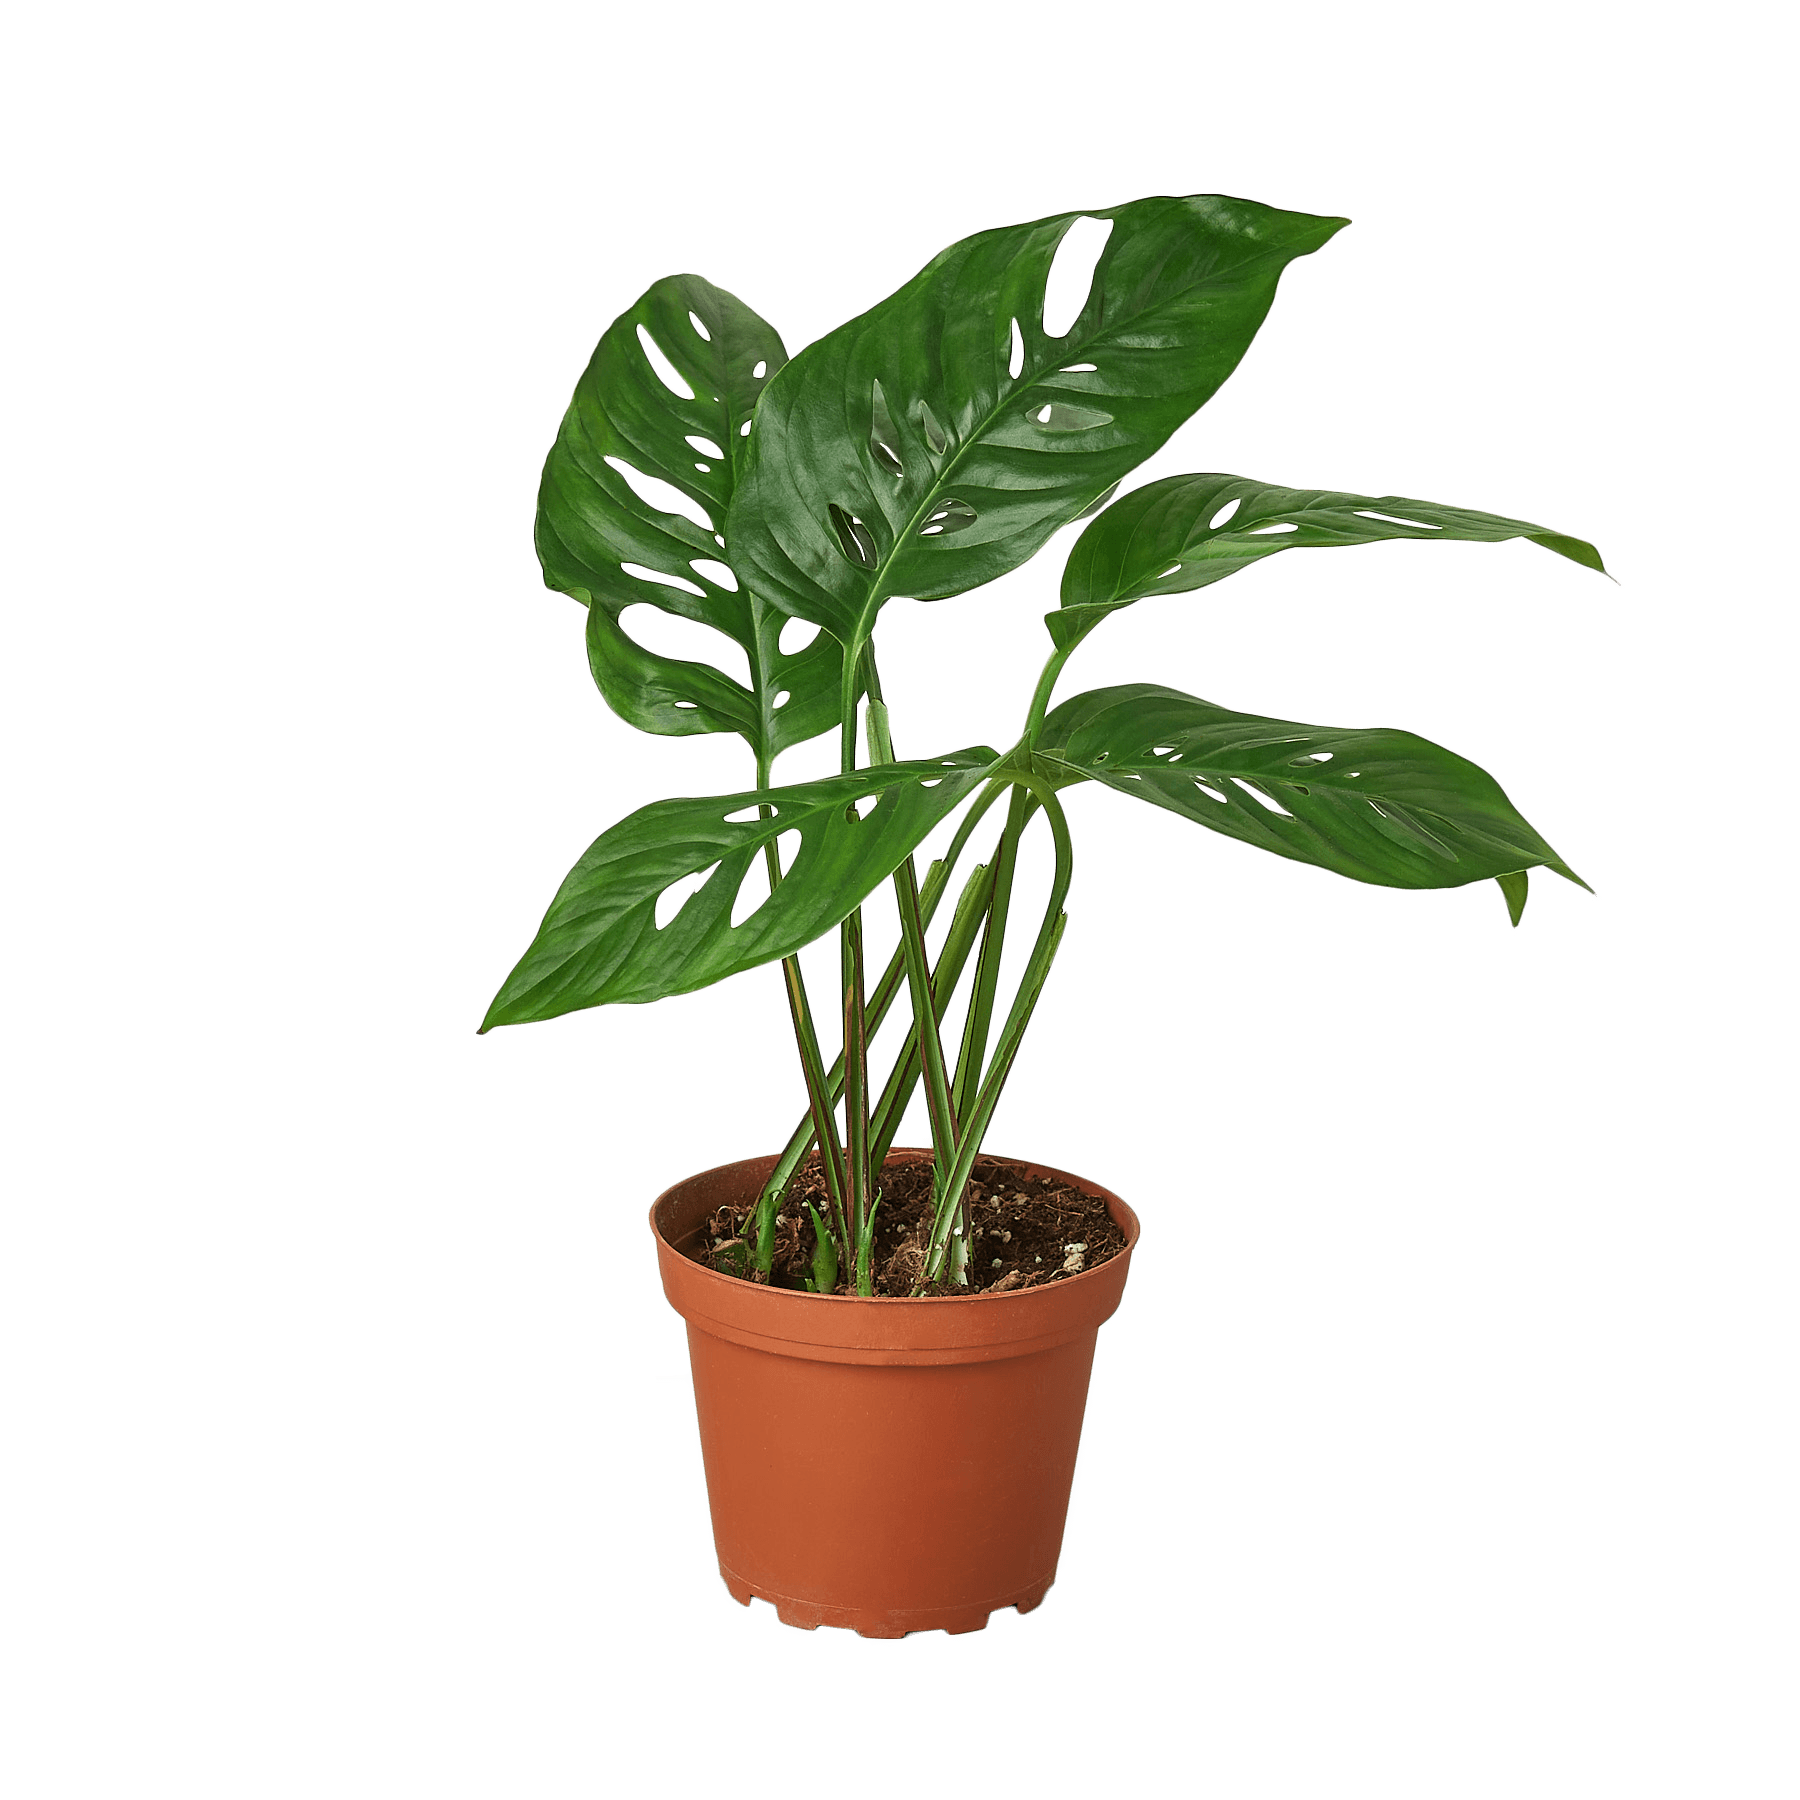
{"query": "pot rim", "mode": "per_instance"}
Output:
(912, 1153)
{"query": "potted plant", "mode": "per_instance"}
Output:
(891, 1347)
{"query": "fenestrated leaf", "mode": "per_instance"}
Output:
(1379, 806)
(936, 441)
(592, 521)
(600, 942)
(1189, 531)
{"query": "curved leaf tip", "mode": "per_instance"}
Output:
(1516, 886)
(1189, 531)
(1380, 806)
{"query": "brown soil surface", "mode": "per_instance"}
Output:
(1026, 1230)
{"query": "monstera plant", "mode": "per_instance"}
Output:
(930, 445)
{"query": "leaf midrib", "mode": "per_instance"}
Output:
(877, 592)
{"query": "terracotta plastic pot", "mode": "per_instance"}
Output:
(888, 1465)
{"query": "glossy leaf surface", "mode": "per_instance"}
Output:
(935, 442)
(600, 941)
(1189, 531)
(601, 539)
(1377, 805)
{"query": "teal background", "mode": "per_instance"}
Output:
(1443, 1446)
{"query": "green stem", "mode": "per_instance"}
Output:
(821, 1122)
(937, 882)
(856, 1057)
(960, 940)
(918, 964)
(950, 1198)
(987, 970)
(865, 1252)
(1040, 699)
(856, 1085)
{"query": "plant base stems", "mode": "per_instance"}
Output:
(856, 1086)
(819, 1101)
(950, 1198)
(959, 941)
(825, 1255)
(937, 879)
(865, 1251)
(925, 1022)
(973, 1051)
(918, 967)
(952, 1202)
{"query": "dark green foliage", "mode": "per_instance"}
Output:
(924, 448)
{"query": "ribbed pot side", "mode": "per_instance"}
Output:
(887, 1465)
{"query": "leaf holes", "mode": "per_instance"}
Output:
(687, 705)
(1061, 416)
(930, 781)
(780, 700)
(884, 440)
(704, 468)
(640, 573)
(685, 640)
(853, 536)
(718, 573)
(672, 899)
(935, 435)
(1071, 278)
(795, 635)
(659, 495)
(719, 539)
(1223, 515)
(1212, 793)
(761, 369)
(952, 516)
(666, 372)
(746, 815)
(1162, 750)
(1269, 530)
(748, 901)
(858, 810)
(706, 447)
(678, 893)
(787, 847)
(1312, 756)
(744, 429)
(1172, 569)
(1016, 362)
(1389, 519)
(699, 325)
(1080, 369)
(1266, 800)
(1104, 756)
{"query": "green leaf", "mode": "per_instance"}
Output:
(935, 442)
(1191, 530)
(593, 521)
(600, 942)
(1516, 886)
(1378, 806)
